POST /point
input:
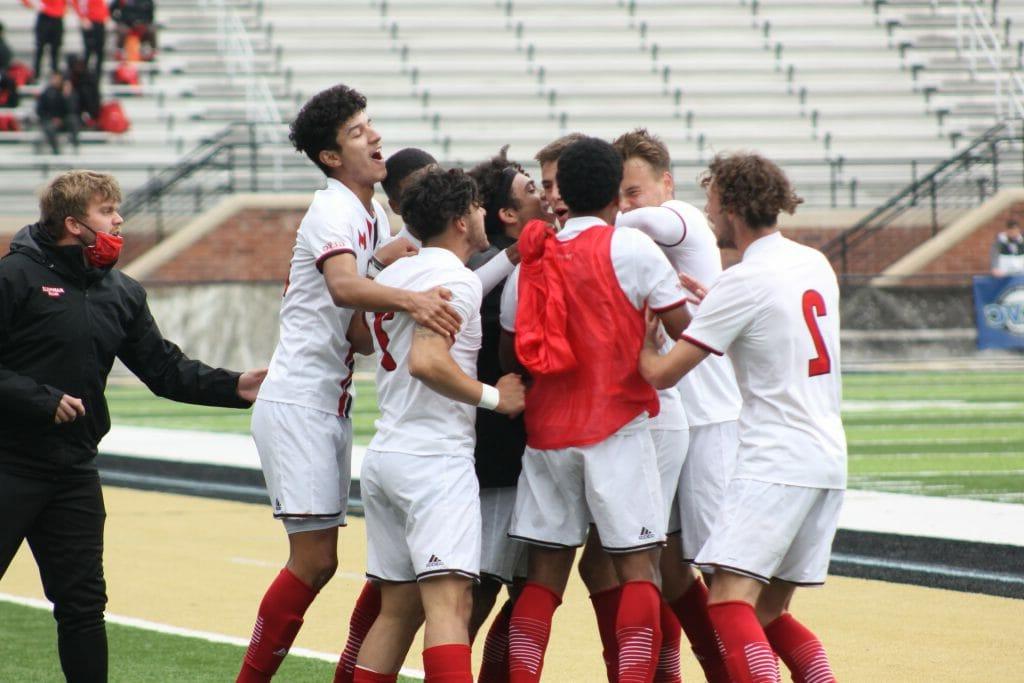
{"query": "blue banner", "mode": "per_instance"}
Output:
(999, 312)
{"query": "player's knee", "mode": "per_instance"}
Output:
(315, 569)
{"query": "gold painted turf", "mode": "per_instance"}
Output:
(204, 564)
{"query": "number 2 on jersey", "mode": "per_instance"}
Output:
(814, 307)
(386, 360)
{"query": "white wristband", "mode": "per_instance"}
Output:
(489, 398)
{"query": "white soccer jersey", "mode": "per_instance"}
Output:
(709, 391)
(414, 418)
(313, 361)
(776, 314)
(646, 277)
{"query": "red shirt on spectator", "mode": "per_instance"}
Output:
(93, 10)
(51, 8)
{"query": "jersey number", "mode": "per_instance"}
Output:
(386, 360)
(814, 307)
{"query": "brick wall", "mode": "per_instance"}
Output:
(254, 245)
(971, 254)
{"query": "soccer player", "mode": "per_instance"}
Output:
(420, 492)
(547, 157)
(492, 267)
(511, 199)
(776, 315)
(581, 295)
(710, 395)
(301, 419)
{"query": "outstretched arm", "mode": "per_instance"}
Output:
(349, 290)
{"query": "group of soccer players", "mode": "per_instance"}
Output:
(557, 366)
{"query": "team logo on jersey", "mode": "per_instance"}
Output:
(281, 652)
(362, 240)
(1006, 313)
(434, 562)
(53, 292)
(646, 534)
(277, 504)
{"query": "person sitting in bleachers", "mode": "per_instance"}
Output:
(85, 87)
(5, 51)
(134, 20)
(57, 110)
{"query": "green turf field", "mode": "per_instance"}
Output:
(935, 433)
(136, 655)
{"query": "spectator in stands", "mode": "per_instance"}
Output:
(49, 32)
(5, 51)
(92, 16)
(9, 96)
(57, 110)
(8, 86)
(66, 314)
(135, 17)
(1008, 251)
(85, 88)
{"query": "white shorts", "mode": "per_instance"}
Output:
(306, 456)
(710, 461)
(670, 446)
(501, 557)
(615, 483)
(422, 516)
(774, 531)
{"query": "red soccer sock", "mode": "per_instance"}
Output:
(361, 675)
(748, 656)
(638, 631)
(691, 608)
(668, 659)
(800, 650)
(449, 663)
(528, 632)
(606, 606)
(277, 623)
(363, 615)
(494, 667)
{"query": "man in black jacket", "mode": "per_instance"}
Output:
(64, 316)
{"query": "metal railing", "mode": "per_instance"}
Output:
(962, 182)
(236, 48)
(978, 44)
(234, 160)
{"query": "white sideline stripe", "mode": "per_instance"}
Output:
(895, 513)
(189, 633)
(193, 446)
(940, 570)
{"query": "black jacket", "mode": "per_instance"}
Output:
(500, 441)
(61, 325)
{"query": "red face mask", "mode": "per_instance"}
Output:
(105, 250)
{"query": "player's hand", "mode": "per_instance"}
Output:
(394, 250)
(69, 409)
(86, 24)
(998, 273)
(513, 254)
(431, 310)
(655, 338)
(249, 384)
(512, 395)
(698, 290)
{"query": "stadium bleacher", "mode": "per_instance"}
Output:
(845, 94)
